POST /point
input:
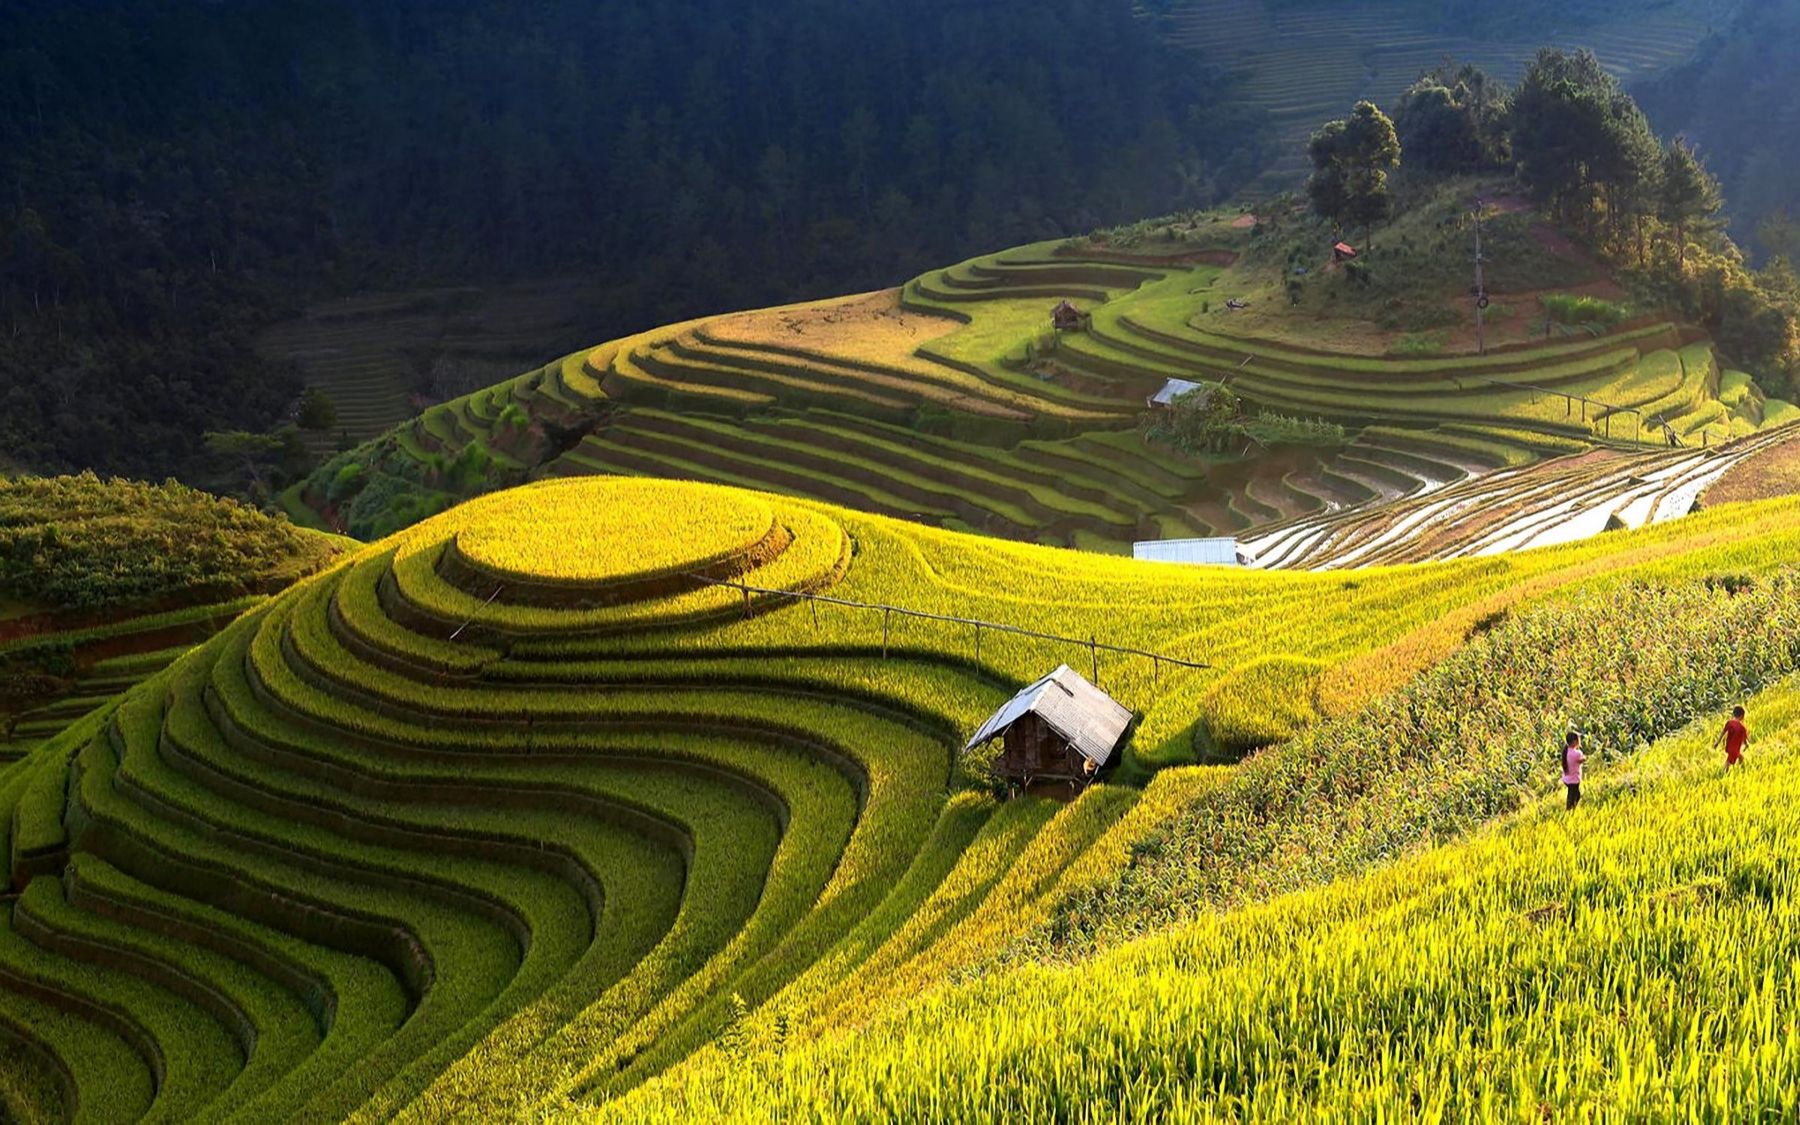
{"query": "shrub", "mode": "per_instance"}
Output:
(1580, 308)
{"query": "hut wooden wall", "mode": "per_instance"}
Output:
(1031, 749)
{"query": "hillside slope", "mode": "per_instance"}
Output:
(543, 811)
(1304, 62)
(104, 583)
(1631, 959)
(954, 402)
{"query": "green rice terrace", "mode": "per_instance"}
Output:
(953, 401)
(570, 802)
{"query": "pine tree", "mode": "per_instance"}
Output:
(1690, 195)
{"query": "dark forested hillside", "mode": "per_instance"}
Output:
(1737, 102)
(172, 172)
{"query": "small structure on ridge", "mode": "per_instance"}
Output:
(1065, 317)
(1343, 252)
(1061, 728)
(1174, 389)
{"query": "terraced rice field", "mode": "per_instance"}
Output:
(517, 810)
(369, 353)
(951, 402)
(1554, 501)
(109, 659)
(1308, 63)
(1448, 985)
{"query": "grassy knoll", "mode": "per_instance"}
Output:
(559, 828)
(103, 583)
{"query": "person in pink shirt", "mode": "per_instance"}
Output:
(1572, 757)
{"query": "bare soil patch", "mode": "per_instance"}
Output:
(1244, 222)
(870, 326)
(1763, 475)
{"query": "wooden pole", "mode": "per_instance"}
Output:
(1094, 657)
(978, 644)
(887, 616)
(1480, 287)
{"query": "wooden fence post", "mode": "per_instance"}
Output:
(887, 614)
(978, 644)
(1094, 657)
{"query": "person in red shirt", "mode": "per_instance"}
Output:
(1735, 736)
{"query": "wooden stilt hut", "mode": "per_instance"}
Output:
(1061, 728)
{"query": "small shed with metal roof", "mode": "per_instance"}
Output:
(1176, 388)
(1220, 550)
(1061, 728)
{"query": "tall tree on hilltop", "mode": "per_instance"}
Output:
(1690, 196)
(1569, 120)
(1449, 121)
(1351, 159)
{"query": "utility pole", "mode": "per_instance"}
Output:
(1480, 290)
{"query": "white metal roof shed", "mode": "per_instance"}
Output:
(1174, 389)
(1218, 551)
(1091, 720)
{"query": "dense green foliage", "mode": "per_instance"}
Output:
(1351, 159)
(83, 543)
(179, 170)
(1450, 120)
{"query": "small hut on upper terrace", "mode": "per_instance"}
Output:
(1065, 317)
(1061, 728)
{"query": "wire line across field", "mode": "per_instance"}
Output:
(1092, 644)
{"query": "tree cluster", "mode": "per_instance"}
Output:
(1581, 147)
(1351, 159)
(83, 543)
